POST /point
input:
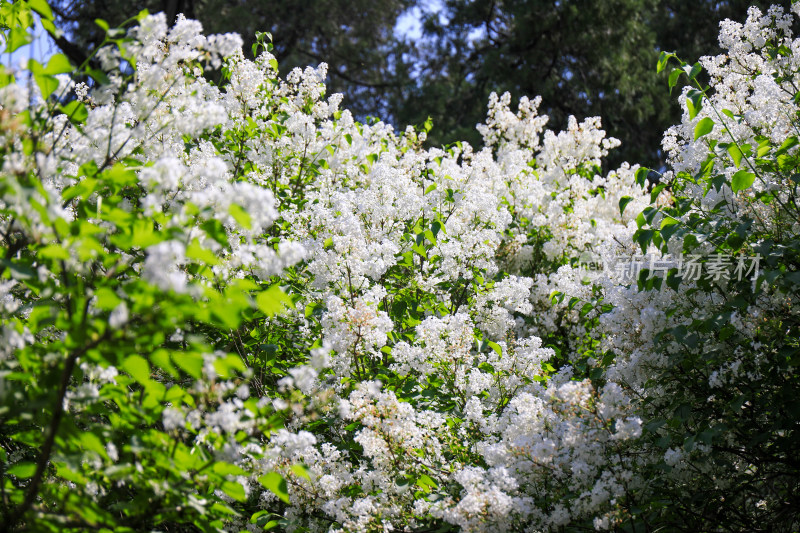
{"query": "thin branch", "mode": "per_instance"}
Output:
(47, 448)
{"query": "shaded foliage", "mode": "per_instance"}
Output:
(355, 38)
(584, 59)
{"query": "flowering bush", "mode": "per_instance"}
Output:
(231, 306)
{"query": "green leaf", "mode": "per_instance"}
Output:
(17, 37)
(703, 127)
(273, 301)
(215, 230)
(742, 180)
(668, 221)
(47, 84)
(222, 508)
(121, 175)
(54, 251)
(623, 202)
(41, 7)
(430, 236)
(673, 78)
(694, 102)
(235, 490)
(161, 359)
(683, 411)
(6, 77)
(75, 111)
(427, 483)
(736, 154)
(50, 28)
(644, 238)
(106, 299)
(641, 176)
(301, 471)
(197, 252)
(262, 519)
(656, 191)
(669, 226)
(673, 280)
(274, 482)
(663, 60)
(227, 366)
(436, 227)
(22, 470)
(189, 362)
(227, 469)
(241, 216)
(787, 144)
(496, 347)
(98, 75)
(764, 146)
(58, 64)
(735, 241)
(693, 71)
(138, 368)
(19, 271)
(91, 442)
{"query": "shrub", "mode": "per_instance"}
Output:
(231, 306)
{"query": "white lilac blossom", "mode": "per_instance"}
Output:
(366, 198)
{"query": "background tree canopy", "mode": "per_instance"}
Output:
(584, 58)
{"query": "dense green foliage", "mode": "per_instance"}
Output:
(354, 37)
(751, 415)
